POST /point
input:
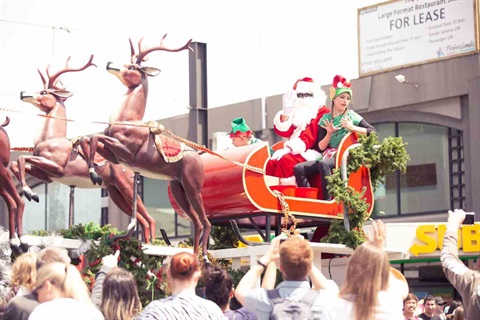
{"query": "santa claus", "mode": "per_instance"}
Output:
(298, 122)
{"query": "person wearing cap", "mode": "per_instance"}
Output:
(465, 280)
(241, 134)
(449, 310)
(440, 305)
(297, 123)
(333, 127)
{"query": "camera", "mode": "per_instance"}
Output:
(469, 218)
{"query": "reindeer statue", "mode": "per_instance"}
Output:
(57, 159)
(128, 141)
(9, 193)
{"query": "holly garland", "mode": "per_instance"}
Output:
(146, 269)
(382, 159)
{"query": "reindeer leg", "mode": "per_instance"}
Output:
(10, 188)
(124, 183)
(85, 147)
(181, 198)
(19, 172)
(112, 150)
(12, 212)
(34, 172)
(41, 164)
(192, 181)
(196, 201)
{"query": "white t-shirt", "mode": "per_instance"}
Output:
(65, 308)
(390, 307)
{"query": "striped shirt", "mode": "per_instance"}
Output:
(180, 306)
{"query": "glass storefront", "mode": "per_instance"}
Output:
(425, 187)
(155, 198)
(51, 212)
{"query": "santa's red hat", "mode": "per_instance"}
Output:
(305, 85)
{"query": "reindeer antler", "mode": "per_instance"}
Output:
(142, 54)
(53, 79)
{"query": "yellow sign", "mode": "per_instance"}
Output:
(430, 237)
(251, 238)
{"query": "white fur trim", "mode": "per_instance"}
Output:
(288, 181)
(306, 119)
(297, 145)
(311, 155)
(282, 126)
(15, 241)
(307, 87)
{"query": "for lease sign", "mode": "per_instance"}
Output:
(399, 33)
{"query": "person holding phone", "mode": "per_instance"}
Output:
(464, 279)
(333, 127)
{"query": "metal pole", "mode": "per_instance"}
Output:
(71, 206)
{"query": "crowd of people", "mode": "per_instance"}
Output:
(47, 286)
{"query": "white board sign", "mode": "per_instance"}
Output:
(400, 33)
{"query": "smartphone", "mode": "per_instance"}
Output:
(469, 218)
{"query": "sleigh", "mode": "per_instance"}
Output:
(244, 196)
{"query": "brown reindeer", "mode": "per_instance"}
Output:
(9, 193)
(127, 141)
(56, 158)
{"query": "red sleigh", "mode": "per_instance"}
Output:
(232, 192)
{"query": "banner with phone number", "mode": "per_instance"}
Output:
(407, 32)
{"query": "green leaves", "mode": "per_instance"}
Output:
(89, 231)
(382, 159)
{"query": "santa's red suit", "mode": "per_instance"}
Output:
(301, 114)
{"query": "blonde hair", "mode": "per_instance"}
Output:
(367, 274)
(65, 277)
(52, 254)
(459, 313)
(24, 271)
(120, 300)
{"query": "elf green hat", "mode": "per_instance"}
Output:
(240, 128)
(339, 86)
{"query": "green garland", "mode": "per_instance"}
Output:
(382, 159)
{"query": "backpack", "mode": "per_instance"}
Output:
(284, 308)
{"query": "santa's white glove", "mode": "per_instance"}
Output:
(288, 101)
(277, 155)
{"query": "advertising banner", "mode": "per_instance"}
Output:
(400, 33)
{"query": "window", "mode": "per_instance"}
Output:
(52, 211)
(155, 198)
(425, 187)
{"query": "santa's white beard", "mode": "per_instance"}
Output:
(305, 110)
